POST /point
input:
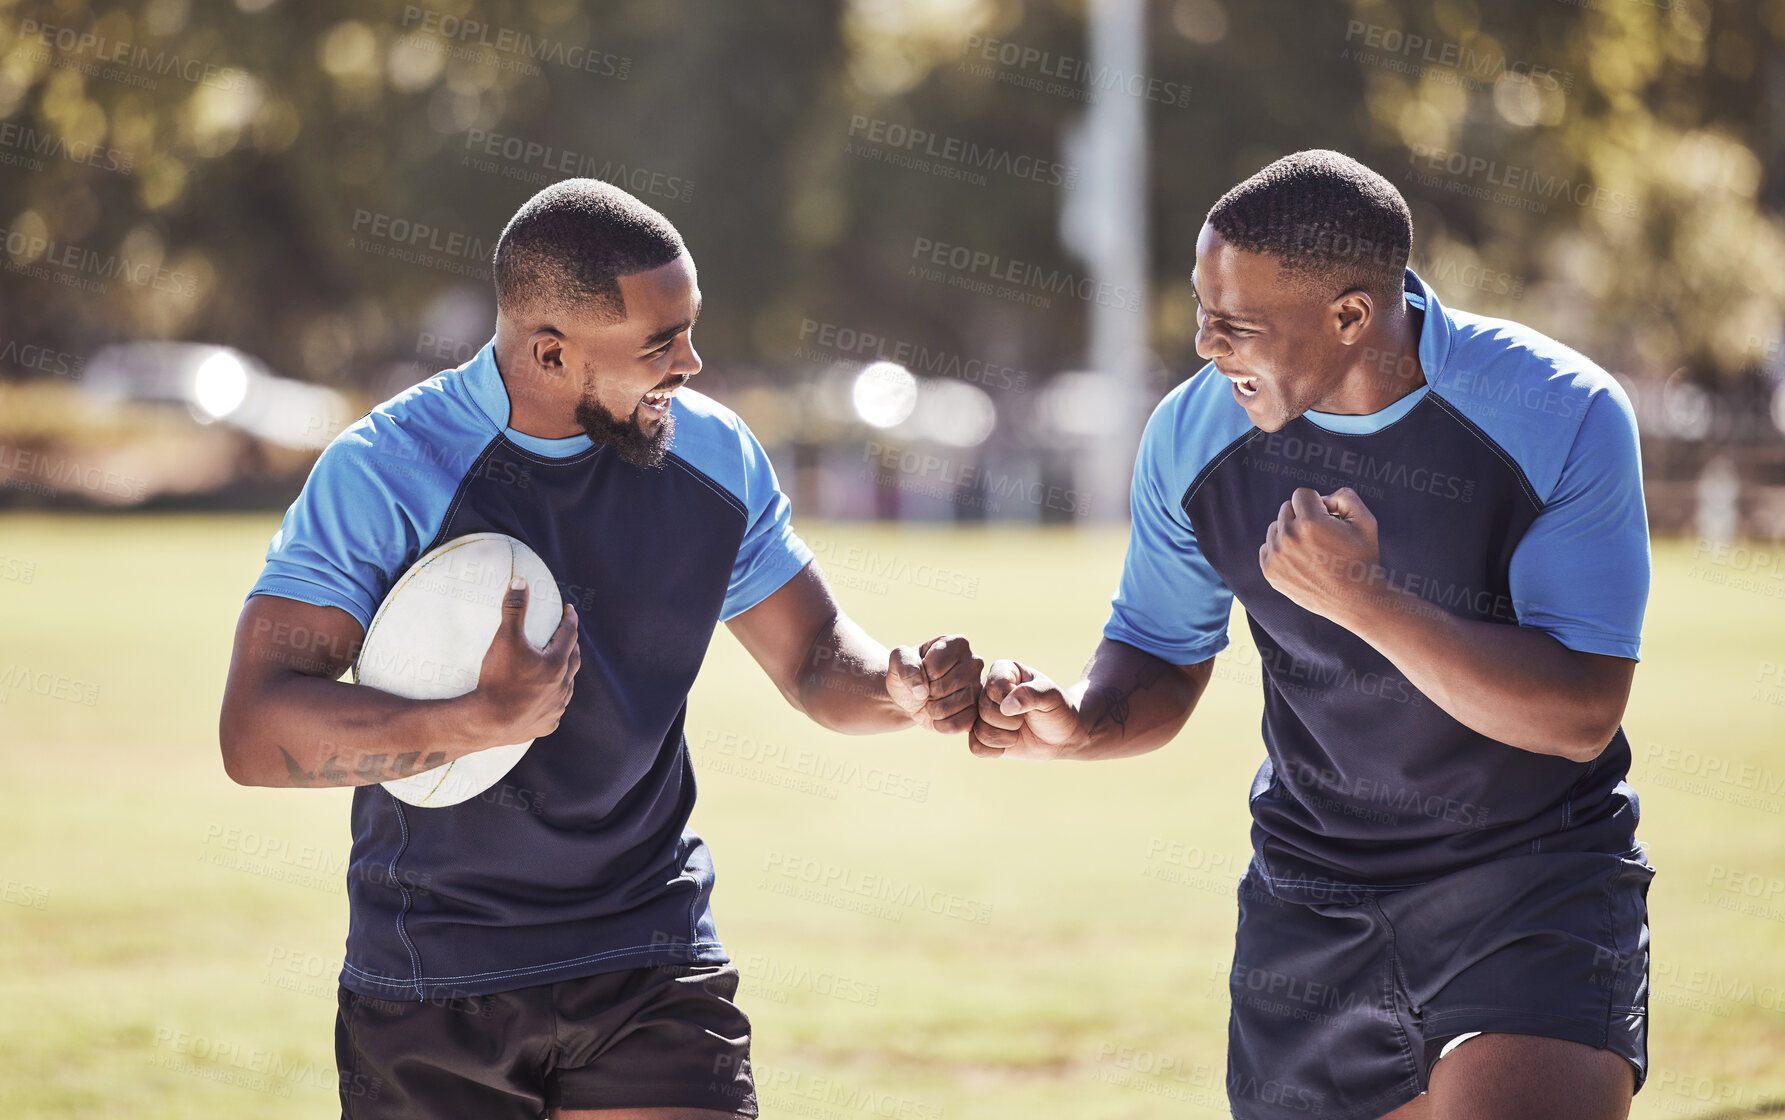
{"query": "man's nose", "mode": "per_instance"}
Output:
(687, 360)
(1211, 344)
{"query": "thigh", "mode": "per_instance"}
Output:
(1527, 1077)
(1549, 946)
(641, 1114)
(1524, 1077)
(1316, 1025)
(668, 1043)
(477, 1055)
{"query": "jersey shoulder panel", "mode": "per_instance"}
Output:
(438, 414)
(1525, 391)
(375, 498)
(416, 448)
(1192, 429)
(714, 444)
(715, 441)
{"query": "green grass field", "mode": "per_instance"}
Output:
(1059, 939)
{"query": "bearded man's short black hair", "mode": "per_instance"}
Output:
(567, 246)
(1331, 223)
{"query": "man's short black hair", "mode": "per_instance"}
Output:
(567, 247)
(1329, 220)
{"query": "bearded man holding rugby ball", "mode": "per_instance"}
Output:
(1435, 523)
(554, 953)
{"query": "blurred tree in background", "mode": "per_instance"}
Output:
(320, 183)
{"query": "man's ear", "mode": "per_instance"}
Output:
(1352, 314)
(546, 347)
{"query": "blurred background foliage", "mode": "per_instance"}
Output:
(246, 172)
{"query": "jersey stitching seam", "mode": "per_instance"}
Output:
(1473, 1010)
(348, 1014)
(278, 584)
(1336, 886)
(1573, 791)
(1396, 974)
(693, 796)
(501, 430)
(1135, 639)
(704, 479)
(391, 870)
(1596, 632)
(458, 496)
(1202, 476)
(1430, 390)
(388, 981)
(452, 509)
(1486, 441)
(551, 460)
(1610, 936)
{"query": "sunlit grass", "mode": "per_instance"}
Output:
(169, 941)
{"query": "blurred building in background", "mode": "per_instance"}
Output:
(945, 245)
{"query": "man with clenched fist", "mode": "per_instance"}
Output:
(1434, 521)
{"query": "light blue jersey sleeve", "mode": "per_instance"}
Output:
(1170, 602)
(360, 521)
(771, 552)
(1581, 572)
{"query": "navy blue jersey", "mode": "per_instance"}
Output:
(1506, 489)
(580, 860)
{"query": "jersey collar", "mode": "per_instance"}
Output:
(484, 382)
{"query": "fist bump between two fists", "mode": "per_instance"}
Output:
(1016, 712)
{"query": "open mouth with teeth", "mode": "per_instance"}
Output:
(1244, 386)
(657, 401)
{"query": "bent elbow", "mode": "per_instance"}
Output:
(1591, 741)
(1595, 700)
(237, 752)
(1581, 751)
(235, 765)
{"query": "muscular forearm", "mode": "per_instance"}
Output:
(842, 684)
(1511, 683)
(1130, 702)
(308, 731)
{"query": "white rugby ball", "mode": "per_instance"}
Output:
(429, 636)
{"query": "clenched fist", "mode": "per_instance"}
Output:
(1022, 714)
(937, 683)
(1322, 553)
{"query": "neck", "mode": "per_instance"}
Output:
(1384, 369)
(535, 404)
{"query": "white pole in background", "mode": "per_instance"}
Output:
(1104, 223)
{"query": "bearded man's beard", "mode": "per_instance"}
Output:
(629, 441)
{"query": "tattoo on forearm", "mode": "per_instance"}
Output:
(1116, 704)
(299, 776)
(1115, 711)
(411, 762)
(370, 768)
